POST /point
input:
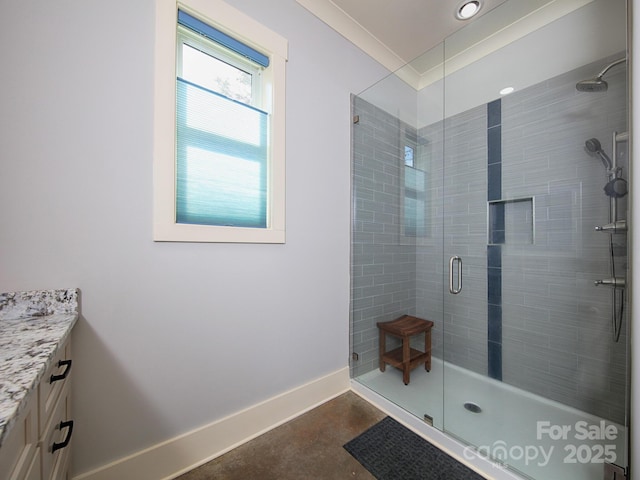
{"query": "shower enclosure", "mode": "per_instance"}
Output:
(502, 217)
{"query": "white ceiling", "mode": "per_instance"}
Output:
(515, 43)
(399, 32)
(407, 27)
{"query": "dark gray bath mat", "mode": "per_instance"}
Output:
(391, 451)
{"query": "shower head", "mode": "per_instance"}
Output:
(593, 145)
(597, 84)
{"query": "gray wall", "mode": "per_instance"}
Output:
(162, 321)
(464, 188)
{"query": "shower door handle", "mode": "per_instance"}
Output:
(455, 290)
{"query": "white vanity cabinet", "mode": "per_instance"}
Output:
(20, 453)
(35, 383)
(38, 446)
(54, 417)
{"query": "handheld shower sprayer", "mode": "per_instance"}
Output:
(593, 145)
(616, 187)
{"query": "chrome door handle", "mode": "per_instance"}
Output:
(458, 289)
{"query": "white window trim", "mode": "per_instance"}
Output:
(225, 18)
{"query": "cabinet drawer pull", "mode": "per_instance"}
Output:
(65, 442)
(67, 368)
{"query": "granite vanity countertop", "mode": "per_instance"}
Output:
(33, 326)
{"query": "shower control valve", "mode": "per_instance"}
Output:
(619, 226)
(612, 282)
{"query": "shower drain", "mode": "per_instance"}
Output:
(472, 407)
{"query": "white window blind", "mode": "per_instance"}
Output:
(221, 158)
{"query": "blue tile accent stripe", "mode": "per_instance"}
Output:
(494, 251)
(494, 113)
(496, 223)
(494, 184)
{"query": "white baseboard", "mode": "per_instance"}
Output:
(178, 455)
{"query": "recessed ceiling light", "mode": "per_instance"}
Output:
(468, 9)
(507, 90)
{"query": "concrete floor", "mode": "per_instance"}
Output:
(307, 447)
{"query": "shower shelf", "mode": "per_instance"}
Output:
(511, 221)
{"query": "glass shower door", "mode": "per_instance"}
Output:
(536, 341)
(396, 248)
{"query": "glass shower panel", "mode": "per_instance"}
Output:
(536, 345)
(396, 248)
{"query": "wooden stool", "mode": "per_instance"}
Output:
(405, 358)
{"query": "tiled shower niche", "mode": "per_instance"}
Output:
(511, 221)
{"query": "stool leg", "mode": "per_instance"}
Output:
(427, 348)
(406, 359)
(382, 349)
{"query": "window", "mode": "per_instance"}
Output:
(219, 177)
(415, 191)
(414, 202)
(408, 156)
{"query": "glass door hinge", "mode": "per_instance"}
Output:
(614, 472)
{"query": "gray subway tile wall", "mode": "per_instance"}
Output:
(383, 265)
(563, 338)
(465, 322)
